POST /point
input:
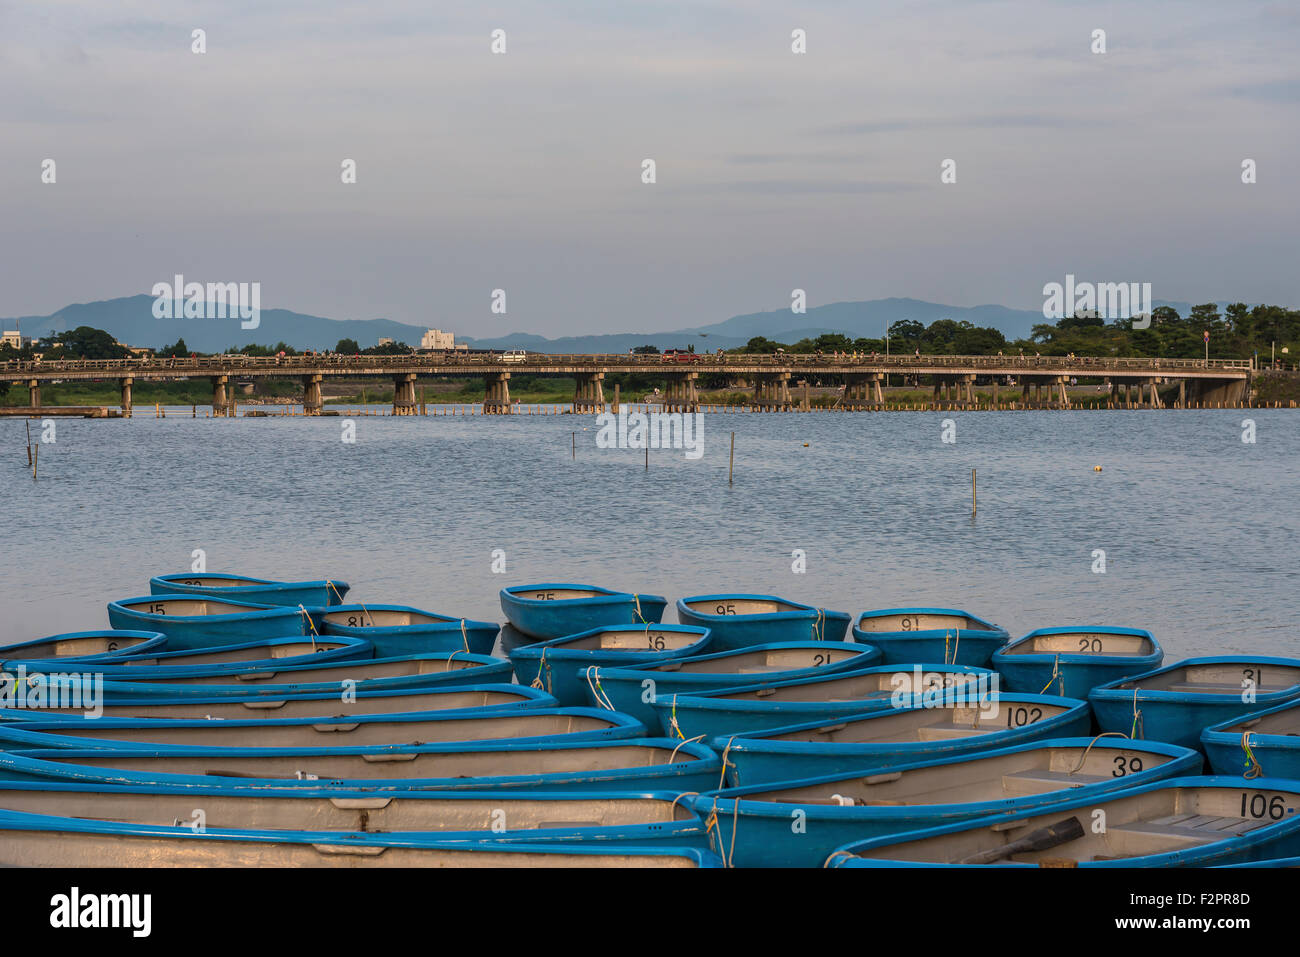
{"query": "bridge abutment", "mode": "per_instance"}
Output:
(311, 394)
(404, 394)
(682, 394)
(126, 382)
(34, 393)
(220, 395)
(496, 400)
(772, 392)
(589, 392)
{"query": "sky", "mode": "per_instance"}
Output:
(522, 171)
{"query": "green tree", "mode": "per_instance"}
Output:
(348, 347)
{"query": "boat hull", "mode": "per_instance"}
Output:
(733, 629)
(1274, 832)
(1274, 750)
(260, 591)
(1071, 674)
(757, 833)
(638, 764)
(452, 634)
(547, 618)
(91, 646)
(960, 639)
(765, 758)
(1179, 717)
(184, 631)
(628, 691)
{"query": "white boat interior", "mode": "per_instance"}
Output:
(1083, 642)
(881, 684)
(383, 618)
(918, 725)
(1169, 819)
(764, 662)
(1006, 777)
(1229, 678)
(743, 606)
(917, 621)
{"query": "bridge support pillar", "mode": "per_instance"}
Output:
(615, 407)
(995, 392)
(589, 392)
(311, 394)
(496, 401)
(1182, 393)
(682, 393)
(772, 392)
(1062, 386)
(404, 394)
(220, 395)
(34, 393)
(126, 383)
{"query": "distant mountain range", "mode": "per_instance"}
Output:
(131, 320)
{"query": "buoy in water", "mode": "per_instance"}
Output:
(1096, 468)
(805, 445)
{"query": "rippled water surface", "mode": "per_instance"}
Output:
(1200, 530)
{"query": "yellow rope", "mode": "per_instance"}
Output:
(827, 862)
(464, 637)
(819, 625)
(637, 599)
(597, 691)
(310, 624)
(1056, 674)
(1137, 715)
(537, 682)
(673, 726)
(1253, 769)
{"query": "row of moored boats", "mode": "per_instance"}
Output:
(226, 720)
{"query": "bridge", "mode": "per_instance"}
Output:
(780, 382)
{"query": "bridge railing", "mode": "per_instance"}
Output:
(295, 365)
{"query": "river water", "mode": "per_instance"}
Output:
(1199, 529)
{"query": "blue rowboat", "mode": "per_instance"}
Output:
(253, 705)
(247, 655)
(194, 622)
(739, 621)
(260, 591)
(602, 818)
(84, 646)
(1176, 702)
(755, 824)
(631, 690)
(761, 707)
(556, 609)
(44, 840)
(355, 733)
(885, 739)
(512, 638)
(635, 764)
(400, 630)
(1262, 743)
(948, 635)
(560, 664)
(424, 671)
(1072, 661)
(1182, 822)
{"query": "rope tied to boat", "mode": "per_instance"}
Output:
(1253, 768)
(819, 625)
(1104, 734)
(673, 726)
(636, 599)
(1056, 676)
(310, 624)
(955, 646)
(722, 779)
(673, 757)
(463, 636)
(835, 854)
(1137, 716)
(537, 682)
(451, 657)
(597, 692)
(330, 585)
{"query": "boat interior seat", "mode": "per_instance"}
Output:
(940, 732)
(1039, 781)
(1186, 687)
(1192, 828)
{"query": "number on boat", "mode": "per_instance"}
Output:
(725, 610)
(1126, 764)
(1090, 644)
(1019, 717)
(158, 609)
(1260, 806)
(657, 642)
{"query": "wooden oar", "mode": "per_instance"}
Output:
(1042, 839)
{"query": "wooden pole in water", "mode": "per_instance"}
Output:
(36, 457)
(573, 444)
(731, 464)
(28, 423)
(647, 455)
(972, 491)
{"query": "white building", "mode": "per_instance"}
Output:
(437, 339)
(384, 341)
(15, 338)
